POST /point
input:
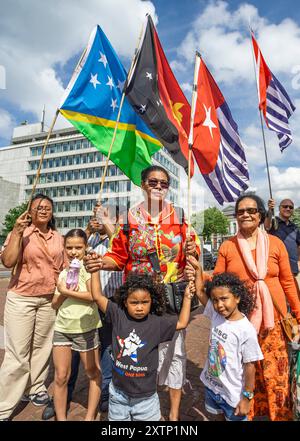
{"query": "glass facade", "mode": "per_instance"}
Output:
(71, 175)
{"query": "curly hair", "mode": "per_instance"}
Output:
(237, 288)
(135, 281)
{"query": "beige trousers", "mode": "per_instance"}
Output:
(28, 327)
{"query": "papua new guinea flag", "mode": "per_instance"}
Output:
(91, 103)
(156, 96)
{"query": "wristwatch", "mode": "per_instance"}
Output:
(248, 394)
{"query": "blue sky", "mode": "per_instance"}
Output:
(41, 42)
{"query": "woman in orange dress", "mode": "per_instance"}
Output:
(262, 260)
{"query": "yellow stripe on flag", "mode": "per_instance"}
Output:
(89, 119)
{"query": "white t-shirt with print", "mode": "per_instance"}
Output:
(232, 343)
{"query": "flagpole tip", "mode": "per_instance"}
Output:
(198, 54)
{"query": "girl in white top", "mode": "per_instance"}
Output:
(229, 372)
(76, 328)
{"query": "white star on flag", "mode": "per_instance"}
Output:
(149, 75)
(103, 59)
(110, 83)
(142, 109)
(120, 85)
(94, 80)
(208, 121)
(114, 104)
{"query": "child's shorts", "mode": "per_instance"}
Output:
(124, 408)
(78, 342)
(216, 405)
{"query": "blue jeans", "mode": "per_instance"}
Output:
(216, 405)
(124, 408)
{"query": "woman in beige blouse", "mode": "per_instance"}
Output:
(35, 250)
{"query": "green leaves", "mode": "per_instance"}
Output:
(12, 216)
(211, 221)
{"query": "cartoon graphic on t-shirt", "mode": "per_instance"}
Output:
(216, 358)
(130, 345)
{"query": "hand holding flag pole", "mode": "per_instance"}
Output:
(191, 137)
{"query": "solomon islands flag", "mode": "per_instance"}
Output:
(91, 103)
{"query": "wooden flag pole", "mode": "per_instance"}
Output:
(191, 134)
(119, 115)
(37, 176)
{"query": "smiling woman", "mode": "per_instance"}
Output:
(36, 249)
(262, 261)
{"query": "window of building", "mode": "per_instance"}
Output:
(63, 161)
(90, 157)
(62, 176)
(56, 162)
(90, 173)
(88, 205)
(75, 190)
(89, 188)
(70, 160)
(73, 205)
(84, 159)
(82, 189)
(82, 174)
(65, 147)
(76, 160)
(61, 191)
(78, 145)
(76, 174)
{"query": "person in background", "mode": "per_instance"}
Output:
(286, 230)
(155, 228)
(262, 261)
(36, 250)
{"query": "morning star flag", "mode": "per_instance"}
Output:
(91, 103)
(216, 143)
(156, 96)
(274, 101)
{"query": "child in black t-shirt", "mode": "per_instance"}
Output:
(138, 327)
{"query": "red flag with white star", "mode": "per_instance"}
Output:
(215, 140)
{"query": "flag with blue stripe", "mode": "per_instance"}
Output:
(217, 146)
(274, 101)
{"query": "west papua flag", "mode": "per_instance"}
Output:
(217, 146)
(274, 101)
(156, 96)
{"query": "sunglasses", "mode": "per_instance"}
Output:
(154, 182)
(291, 207)
(250, 210)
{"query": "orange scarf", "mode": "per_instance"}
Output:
(264, 311)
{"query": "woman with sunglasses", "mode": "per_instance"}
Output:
(154, 226)
(262, 260)
(35, 250)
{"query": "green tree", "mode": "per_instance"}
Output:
(12, 216)
(296, 217)
(211, 221)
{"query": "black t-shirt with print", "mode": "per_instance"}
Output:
(135, 349)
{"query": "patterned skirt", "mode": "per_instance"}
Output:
(272, 389)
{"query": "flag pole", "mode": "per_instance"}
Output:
(261, 122)
(37, 176)
(272, 212)
(191, 135)
(119, 114)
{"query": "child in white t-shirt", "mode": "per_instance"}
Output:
(229, 372)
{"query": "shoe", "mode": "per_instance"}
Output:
(103, 406)
(49, 411)
(40, 399)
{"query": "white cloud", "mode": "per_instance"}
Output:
(36, 40)
(6, 121)
(221, 36)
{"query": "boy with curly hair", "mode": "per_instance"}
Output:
(138, 327)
